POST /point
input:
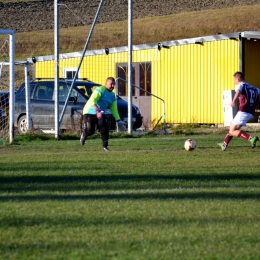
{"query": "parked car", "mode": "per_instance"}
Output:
(4, 109)
(42, 105)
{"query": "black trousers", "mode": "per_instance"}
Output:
(90, 123)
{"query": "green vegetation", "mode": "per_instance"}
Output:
(148, 199)
(146, 30)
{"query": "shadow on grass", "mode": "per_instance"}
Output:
(123, 182)
(132, 177)
(85, 221)
(176, 195)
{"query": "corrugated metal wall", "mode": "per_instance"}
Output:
(44, 69)
(252, 67)
(252, 62)
(194, 76)
(190, 78)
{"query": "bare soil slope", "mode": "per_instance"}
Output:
(39, 15)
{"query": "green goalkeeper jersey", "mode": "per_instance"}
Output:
(103, 99)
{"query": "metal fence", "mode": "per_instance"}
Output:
(6, 85)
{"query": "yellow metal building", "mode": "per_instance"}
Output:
(188, 74)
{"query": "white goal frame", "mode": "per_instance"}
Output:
(11, 80)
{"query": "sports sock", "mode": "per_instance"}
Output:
(227, 139)
(104, 141)
(244, 136)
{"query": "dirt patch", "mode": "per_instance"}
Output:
(4, 149)
(39, 15)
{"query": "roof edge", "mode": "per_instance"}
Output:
(157, 45)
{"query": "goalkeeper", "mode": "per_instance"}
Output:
(94, 115)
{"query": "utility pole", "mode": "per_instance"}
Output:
(56, 68)
(130, 29)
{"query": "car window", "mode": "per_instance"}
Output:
(83, 90)
(21, 94)
(43, 90)
(86, 88)
(90, 89)
(81, 98)
(63, 91)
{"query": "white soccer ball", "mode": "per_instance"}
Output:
(189, 145)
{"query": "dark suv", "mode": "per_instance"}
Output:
(42, 105)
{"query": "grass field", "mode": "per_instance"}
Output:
(148, 199)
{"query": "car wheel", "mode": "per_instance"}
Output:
(22, 125)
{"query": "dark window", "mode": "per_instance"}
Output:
(80, 99)
(22, 93)
(145, 78)
(63, 92)
(122, 72)
(142, 77)
(43, 91)
(70, 74)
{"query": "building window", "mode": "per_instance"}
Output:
(122, 72)
(145, 78)
(141, 77)
(69, 73)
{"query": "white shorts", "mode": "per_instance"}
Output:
(241, 118)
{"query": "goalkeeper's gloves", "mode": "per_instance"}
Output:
(99, 113)
(120, 125)
(120, 121)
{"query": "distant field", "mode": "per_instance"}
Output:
(146, 30)
(17, 1)
(148, 199)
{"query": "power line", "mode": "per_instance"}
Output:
(73, 13)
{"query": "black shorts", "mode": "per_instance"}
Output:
(91, 123)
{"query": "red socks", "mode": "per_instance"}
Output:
(244, 136)
(227, 140)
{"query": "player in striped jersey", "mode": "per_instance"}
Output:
(248, 99)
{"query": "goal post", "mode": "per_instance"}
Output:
(7, 57)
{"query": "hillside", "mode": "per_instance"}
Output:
(154, 21)
(25, 16)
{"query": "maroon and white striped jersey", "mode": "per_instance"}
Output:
(248, 98)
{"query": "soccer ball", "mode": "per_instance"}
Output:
(189, 145)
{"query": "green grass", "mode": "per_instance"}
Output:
(147, 199)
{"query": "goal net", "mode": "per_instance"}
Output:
(6, 86)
